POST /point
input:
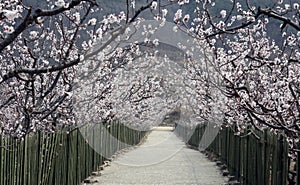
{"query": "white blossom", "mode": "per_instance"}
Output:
(60, 3)
(164, 12)
(77, 17)
(266, 20)
(39, 20)
(99, 33)
(112, 18)
(146, 40)
(133, 4)
(92, 21)
(10, 15)
(287, 6)
(223, 13)
(155, 42)
(33, 34)
(154, 5)
(178, 15)
(239, 17)
(180, 2)
(252, 19)
(8, 29)
(186, 18)
(175, 28)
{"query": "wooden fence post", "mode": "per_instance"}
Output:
(298, 165)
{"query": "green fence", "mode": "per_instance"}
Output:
(260, 158)
(59, 158)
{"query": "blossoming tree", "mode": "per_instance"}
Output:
(252, 78)
(256, 49)
(40, 46)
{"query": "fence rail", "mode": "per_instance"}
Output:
(59, 158)
(260, 158)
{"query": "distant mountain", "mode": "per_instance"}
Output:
(163, 49)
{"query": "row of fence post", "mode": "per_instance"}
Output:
(59, 158)
(259, 158)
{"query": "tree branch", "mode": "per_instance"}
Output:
(31, 18)
(285, 20)
(31, 71)
(137, 13)
(260, 11)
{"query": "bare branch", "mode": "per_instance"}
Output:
(275, 15)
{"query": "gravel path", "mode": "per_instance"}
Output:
(162, 159)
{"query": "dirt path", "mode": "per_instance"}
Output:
(162, 159)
